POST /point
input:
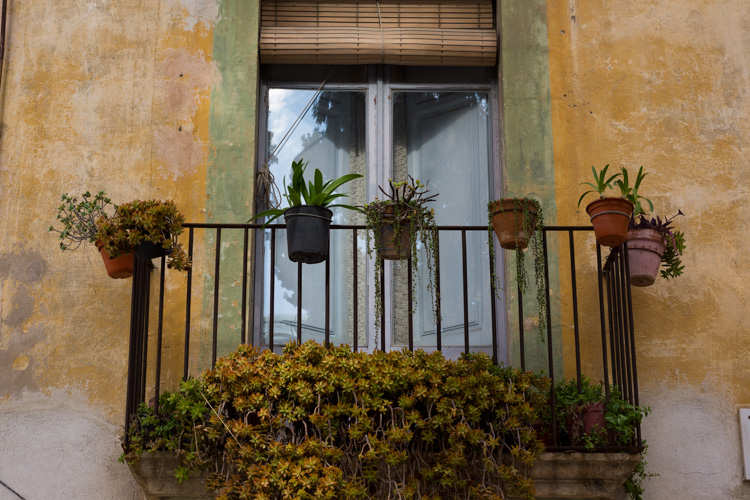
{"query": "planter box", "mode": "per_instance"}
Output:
(154, 473)
(582, 475)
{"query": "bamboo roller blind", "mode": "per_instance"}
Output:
(406, 32)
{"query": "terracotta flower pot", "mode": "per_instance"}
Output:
(645, 250)
(508, 223)
(119, 267)
(593, 417)
(610, 218)
(388, 242)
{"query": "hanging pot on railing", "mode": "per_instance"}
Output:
(119, 267)
(645, 250)
(610, 218)
(394, 246)
(307, 233)
(147, 250)
(514, 221)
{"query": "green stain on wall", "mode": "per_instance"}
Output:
(529, 168)
(231, 168)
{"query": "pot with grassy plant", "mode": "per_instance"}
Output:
(308, 218)
(653, 244)
(149, 228)
(394, 227)
(610, 216)
(518, 223)
(80, 219)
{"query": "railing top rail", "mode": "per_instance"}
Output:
(216, 225)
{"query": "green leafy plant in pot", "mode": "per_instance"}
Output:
(394, 226)
(80, 220)
(653, 243)
(308, 217)
(518, 222)
(610, 216)
(150, 228)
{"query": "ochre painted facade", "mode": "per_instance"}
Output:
(158, 99)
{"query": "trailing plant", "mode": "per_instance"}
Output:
(80, 218)
(601, 183)
(532, 224)
(179, 424)
(631, 193)
(404, 206)
(675, 241)
(136, 222)
(315, 192)
(330, 423)
(634, 484)
(620, 419)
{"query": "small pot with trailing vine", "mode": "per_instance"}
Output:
(308, 218)
(150, 228)
(518, 223)
(610, 215)
(80, 219)
(653, 244)
(394, 227)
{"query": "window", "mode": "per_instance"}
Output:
(384, 122)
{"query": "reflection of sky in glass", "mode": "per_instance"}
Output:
(285, 106)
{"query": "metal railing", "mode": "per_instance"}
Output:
(612, 294)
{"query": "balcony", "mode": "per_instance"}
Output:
(181, 322)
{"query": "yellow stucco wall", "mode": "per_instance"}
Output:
(102, 96)
(666, 85)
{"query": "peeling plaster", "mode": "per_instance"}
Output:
(200, 11)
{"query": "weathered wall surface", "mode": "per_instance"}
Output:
(666, 84)
(119, 96)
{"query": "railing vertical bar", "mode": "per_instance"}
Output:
(134, 352)
(382, 305)
(355, 291)
(439, 318)
(635, 400)
(610, 317)
(188, 300)
(215, 341)
(493, 313)
(616, 334)
(245, 249)
(272, 293)
(521, 333)
(327, 335)
(145, 307)
(159, 332)
(603, 321)
(573, 286)
(466, 290)
(625, 326)
(411, 305)
(299, 303)
(550, 355)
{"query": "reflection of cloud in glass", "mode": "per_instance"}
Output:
(285, 106)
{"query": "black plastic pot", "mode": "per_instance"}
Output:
(147, 250)
(307, 233)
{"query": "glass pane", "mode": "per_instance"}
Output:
(331, 137)
(444, 138)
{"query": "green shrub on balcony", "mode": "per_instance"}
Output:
(329, 423)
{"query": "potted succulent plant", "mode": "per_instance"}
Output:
(80, 220)
(150, 228)
(394, 226)
(308, 219)
(517, 222)
(610, 216)
(653, 243)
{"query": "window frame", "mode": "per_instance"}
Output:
(379, 88)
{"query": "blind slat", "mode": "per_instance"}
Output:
(454, 32)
